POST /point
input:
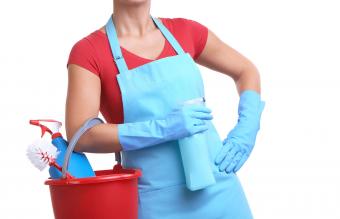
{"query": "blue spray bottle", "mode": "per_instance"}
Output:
(79, 166)
(195, 157)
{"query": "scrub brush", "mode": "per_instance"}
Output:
(42, 153)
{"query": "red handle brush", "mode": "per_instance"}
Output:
(42, 153)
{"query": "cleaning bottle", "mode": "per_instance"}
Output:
(79, 165)
(195, 157)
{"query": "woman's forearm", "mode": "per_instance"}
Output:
(102, 138)
(249, 79)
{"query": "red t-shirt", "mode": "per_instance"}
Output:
(94, 54)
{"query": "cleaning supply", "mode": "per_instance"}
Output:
(111, 193)
(182, 121)
(195, 156)
(241, 139)
(42, 153)
(79, 166)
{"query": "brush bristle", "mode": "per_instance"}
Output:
(41, 152)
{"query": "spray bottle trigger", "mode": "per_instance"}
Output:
(43, 130)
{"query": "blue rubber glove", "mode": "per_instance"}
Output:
(241, 139)
(183, 121)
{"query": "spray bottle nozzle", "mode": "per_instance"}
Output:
(47, 125)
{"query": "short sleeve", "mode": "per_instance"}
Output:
(198, 33)
(84, 55)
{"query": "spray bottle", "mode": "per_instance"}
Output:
(79, 165)
(195, 157)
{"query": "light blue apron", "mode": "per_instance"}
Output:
(151, 91)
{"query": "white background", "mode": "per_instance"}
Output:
(293, 171)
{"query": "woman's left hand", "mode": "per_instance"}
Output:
(241, 139)
(232, 156)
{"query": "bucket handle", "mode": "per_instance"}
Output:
(89, 123)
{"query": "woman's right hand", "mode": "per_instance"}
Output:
(187, 120)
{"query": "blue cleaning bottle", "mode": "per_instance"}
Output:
(79, 166)
(195, 157)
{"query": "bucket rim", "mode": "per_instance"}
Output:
(96, 179)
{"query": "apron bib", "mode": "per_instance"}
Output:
(151, 91)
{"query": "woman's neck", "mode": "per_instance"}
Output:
(132, 18)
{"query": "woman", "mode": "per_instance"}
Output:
(135, 70)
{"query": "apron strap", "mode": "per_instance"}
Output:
(168, 36)
(115, 47)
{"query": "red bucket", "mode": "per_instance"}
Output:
(108, 195)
